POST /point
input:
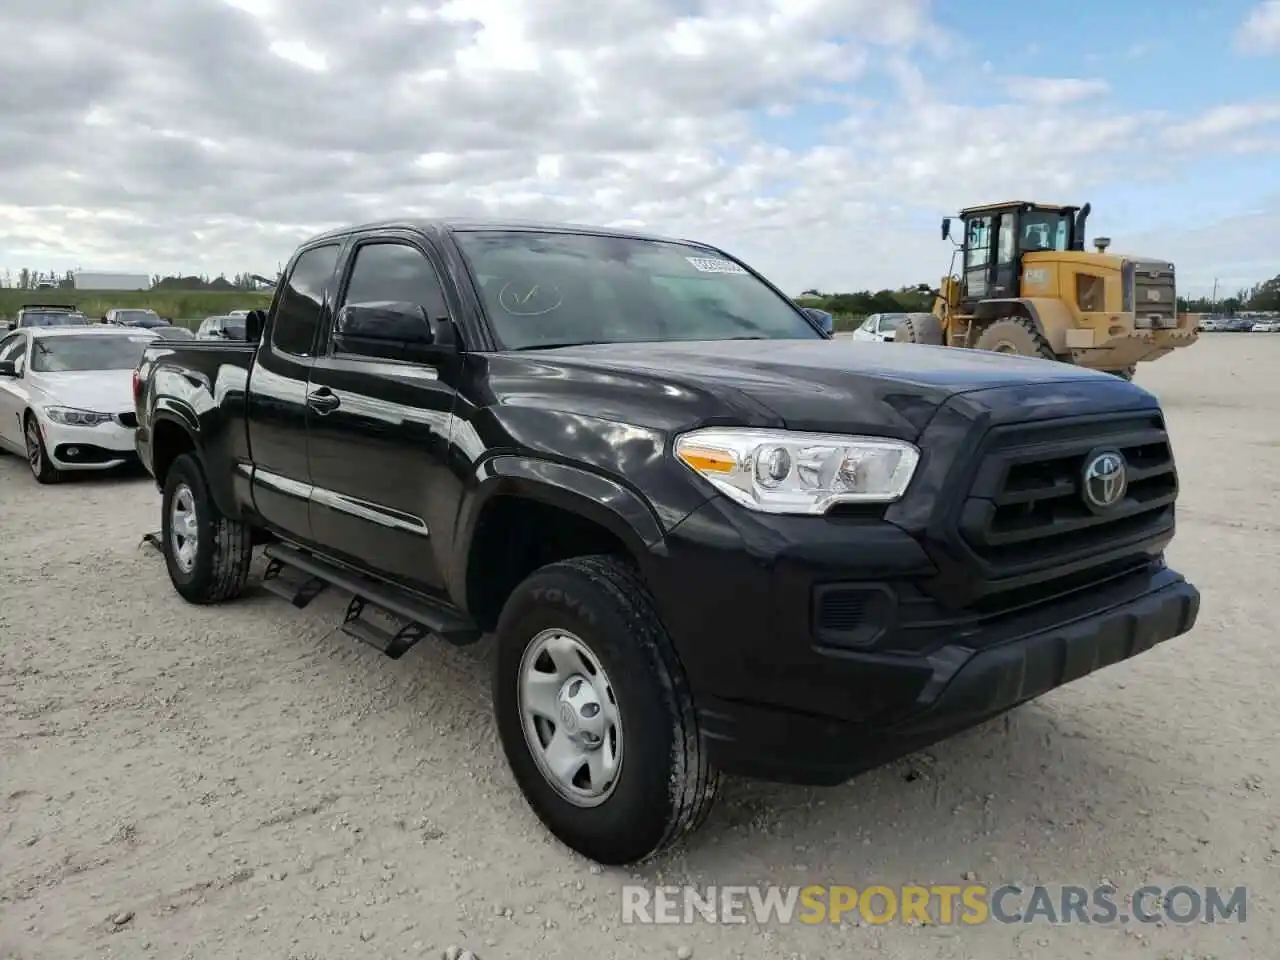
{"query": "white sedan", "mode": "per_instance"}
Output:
(879, 327)
(66, 397)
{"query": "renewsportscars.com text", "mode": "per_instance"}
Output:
(936, 905)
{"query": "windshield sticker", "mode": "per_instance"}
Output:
(709, 265)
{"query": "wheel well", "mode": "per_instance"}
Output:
(515, 536)
(169, 441)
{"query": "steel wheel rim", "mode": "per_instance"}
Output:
(570, 718)
(33, 445)
(183, 532)
(1004, 346)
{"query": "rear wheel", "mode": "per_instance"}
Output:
(1017, 336)
(595, 715)
(37, 454)
(207, 555)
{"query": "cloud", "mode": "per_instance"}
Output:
(813, 137)
(1220, 126)
(1055, 91)
(1260, 32)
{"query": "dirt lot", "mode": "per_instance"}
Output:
(248, 782)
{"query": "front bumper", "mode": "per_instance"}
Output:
(965, 687)
(780, 700)
(88, 448)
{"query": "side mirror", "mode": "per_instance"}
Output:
(254, 323)
(946, 228)
(392, 329)
(8, 369)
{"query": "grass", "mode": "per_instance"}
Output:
(167, 303)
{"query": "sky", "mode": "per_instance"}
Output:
(822, 141)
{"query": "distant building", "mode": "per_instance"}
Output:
(102, 280)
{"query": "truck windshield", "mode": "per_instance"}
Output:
(553, 289)
(142, 318)
(61, 354)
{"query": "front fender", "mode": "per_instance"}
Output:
(596, 497)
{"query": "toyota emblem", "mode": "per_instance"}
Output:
(1105, 480)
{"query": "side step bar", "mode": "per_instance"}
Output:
(420, 616)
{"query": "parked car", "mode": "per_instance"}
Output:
(222, 328)
(880, 327)
(825, 320)
(1266, 326)
(134, 317)
(47, 315)
(66, 401)
(708, 538)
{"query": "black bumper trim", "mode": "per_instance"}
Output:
(90, 454)
(967, 688)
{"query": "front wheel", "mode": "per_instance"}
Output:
(1017, 336)
(595, 715)
(207, 554)
(37, 454)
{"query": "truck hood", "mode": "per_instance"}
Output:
(828, 385)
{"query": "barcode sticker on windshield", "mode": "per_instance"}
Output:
(709, 265)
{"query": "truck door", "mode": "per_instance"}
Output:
(378, 429)
(277, 393)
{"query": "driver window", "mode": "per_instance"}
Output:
(869, 325)
(11, 345)
(395, 271)
(978, 242)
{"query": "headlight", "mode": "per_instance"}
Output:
(777, 471)
(76, 418)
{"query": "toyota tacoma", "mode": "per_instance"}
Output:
(707, 537)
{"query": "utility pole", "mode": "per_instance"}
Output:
(1215, 295)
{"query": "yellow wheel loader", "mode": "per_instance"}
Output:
(1027, 286)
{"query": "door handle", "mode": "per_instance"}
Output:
(323, 401)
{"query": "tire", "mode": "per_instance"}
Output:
(664, 786)
(1015, 335)
(926, 330)
(37, 455)
(1127, 373)
(217, 568)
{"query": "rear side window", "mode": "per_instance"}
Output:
(301, 300)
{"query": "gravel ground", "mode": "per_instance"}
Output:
(249, 782)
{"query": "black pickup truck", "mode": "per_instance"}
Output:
(708, 537)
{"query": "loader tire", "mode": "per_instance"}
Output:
(1125, 373)
(1017, 336)
(926, 330)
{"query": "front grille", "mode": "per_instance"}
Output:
(1152, 291)
(127, 419)
(1026, 508)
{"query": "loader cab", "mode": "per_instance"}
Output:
(994, 237)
